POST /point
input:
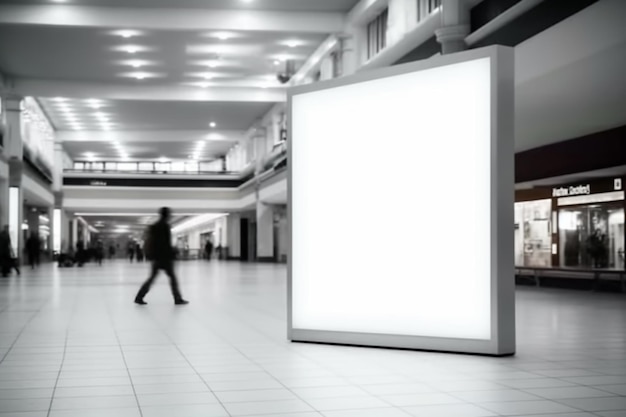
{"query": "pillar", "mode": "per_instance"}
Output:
(265, 232)
(14, 152)
(348, 50)
(4, 192)
(455, 26)
(234, 238)
(74, 238)
(32, 218)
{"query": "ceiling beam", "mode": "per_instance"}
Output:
(172, 18)
(71, 89)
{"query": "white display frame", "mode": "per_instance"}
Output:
(502, 302)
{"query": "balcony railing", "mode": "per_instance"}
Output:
(175, 168)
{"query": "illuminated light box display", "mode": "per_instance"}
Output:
(401, 196)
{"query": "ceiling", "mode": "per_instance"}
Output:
(117, 70)
(283, 5)
(134, 225)
(191, 58)
(94, 115)
(570, 78)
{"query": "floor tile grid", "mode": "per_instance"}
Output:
(262, 366)
(159, 325)
(554, 365)
(119, 345)
(428, 405)
(67, 333)
(241, 352)
(535, 354)
(17, 336)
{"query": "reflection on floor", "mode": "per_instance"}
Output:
(72, 343)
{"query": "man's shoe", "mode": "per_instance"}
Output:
(140, 301)
(181, 302)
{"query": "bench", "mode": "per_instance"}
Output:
(597, 275)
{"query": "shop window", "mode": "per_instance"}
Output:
(377, 34)
(178, 167)
(533, 240)
(592, 236)
(146, 166)
(110, 166)
(191, 167)
(127, 166)
(162, 167)
(426, 7)
(79, 166)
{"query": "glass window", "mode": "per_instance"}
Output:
(426, 7)
(191, 167)
(377, 34)
(146, 166)
(178, 167)
(533, 239)
(592, 236)
(110, 166)
(162, 167)
(79, 166)
(127, 166)
(97, 166)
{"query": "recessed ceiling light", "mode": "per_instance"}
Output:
(163, 160)
(204, 85)
(223, 36)
(59, 99)
(126, 34)
(213, 124)
(131, 49)
(292, 43)
(59, 1)
(208, 76)
(276, 62)
(213, 64)
(140, 75)
(136, 64)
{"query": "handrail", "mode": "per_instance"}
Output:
(155, 172)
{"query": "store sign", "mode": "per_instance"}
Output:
(571, 191)
(98, 183)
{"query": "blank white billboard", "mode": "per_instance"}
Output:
(394, 222)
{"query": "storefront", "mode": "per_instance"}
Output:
(571, 226)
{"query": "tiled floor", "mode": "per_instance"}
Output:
(72, 343)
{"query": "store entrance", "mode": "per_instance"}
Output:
(592, 236)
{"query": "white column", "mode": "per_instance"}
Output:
(350, 53)
(265, 232)
(455, 20)
(234, 238)
(74, 240)
(14, 152)
(326, 68)
(396, 23)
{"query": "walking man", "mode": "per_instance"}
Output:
(159, 248)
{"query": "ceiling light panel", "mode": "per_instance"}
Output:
(127, 33)
(221, 49)
(141, 75)
(132, 49)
